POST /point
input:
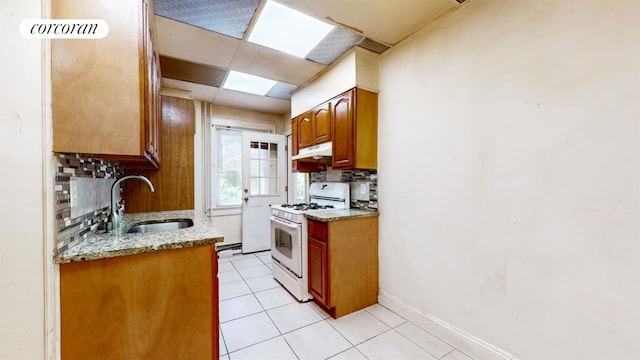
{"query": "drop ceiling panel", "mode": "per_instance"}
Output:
(386, 21)
(271, 64)
(227, 17)
(382, 21)
(240, 100)
(334, 45)
(188, 71)
(182, 41)
(198, 91)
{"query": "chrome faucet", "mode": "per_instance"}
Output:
(116, 212)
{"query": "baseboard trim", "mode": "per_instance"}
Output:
(467, 343)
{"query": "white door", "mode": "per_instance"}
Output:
(263, 184)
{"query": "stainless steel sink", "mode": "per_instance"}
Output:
(160, 225)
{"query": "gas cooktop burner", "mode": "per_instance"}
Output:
(307, 206)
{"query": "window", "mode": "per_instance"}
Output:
(229, 169)
(300, 193)
(298, 182)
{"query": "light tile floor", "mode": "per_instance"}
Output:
(261, 320)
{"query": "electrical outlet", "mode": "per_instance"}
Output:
(359, 191)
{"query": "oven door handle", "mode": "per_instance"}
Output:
(286, 223)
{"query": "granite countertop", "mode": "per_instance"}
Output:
(335, 215)
(107, 245)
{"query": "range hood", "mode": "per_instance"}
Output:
(315, 152)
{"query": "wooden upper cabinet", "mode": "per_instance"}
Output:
(297, 165)
(322, 123)
(105, 97)
(355, 130)
(342, 152)
(305, 130)
(349, 121)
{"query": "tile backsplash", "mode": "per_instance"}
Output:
(362, 183)
(83, 195)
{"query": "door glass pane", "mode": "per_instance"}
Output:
(264, 168)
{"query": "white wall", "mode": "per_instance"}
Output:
(509, 142)
(358, 67)
(22, 231)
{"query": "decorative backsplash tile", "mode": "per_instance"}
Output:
(83, 194)
(365, 177)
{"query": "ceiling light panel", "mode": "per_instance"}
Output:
(284, 29)
(227, 17)
(248, 83)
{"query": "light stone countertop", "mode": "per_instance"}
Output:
(107, 245)
(335, 215)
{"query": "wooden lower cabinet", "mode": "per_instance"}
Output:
(157, 305)
(343, 264)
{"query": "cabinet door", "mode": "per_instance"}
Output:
(294, 137)
(318, 276)
(299, 165)
(305, 130)
(343, 153)
(322, 123)
(133, 307)
(152, 93)
(97, 97)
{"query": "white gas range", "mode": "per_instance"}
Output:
(289, 234)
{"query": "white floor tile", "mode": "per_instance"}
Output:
(351, 354)
(323, 314)
(274, 349)
(247, 331)
(293, 316)
(359, 326)
(228, 276)
(456, 355)
(222, 347)
(262, 283)
(225, 266)
(428, 342)
(274, 297)
(233, 289)
(238, 307)
(385, 315)
(266, 258)
(246, 261)
(317, 341)
(392, 345)
(224, 357)
(254, 271)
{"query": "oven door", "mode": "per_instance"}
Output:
(286, 245)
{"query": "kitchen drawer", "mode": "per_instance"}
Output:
(317, 230)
